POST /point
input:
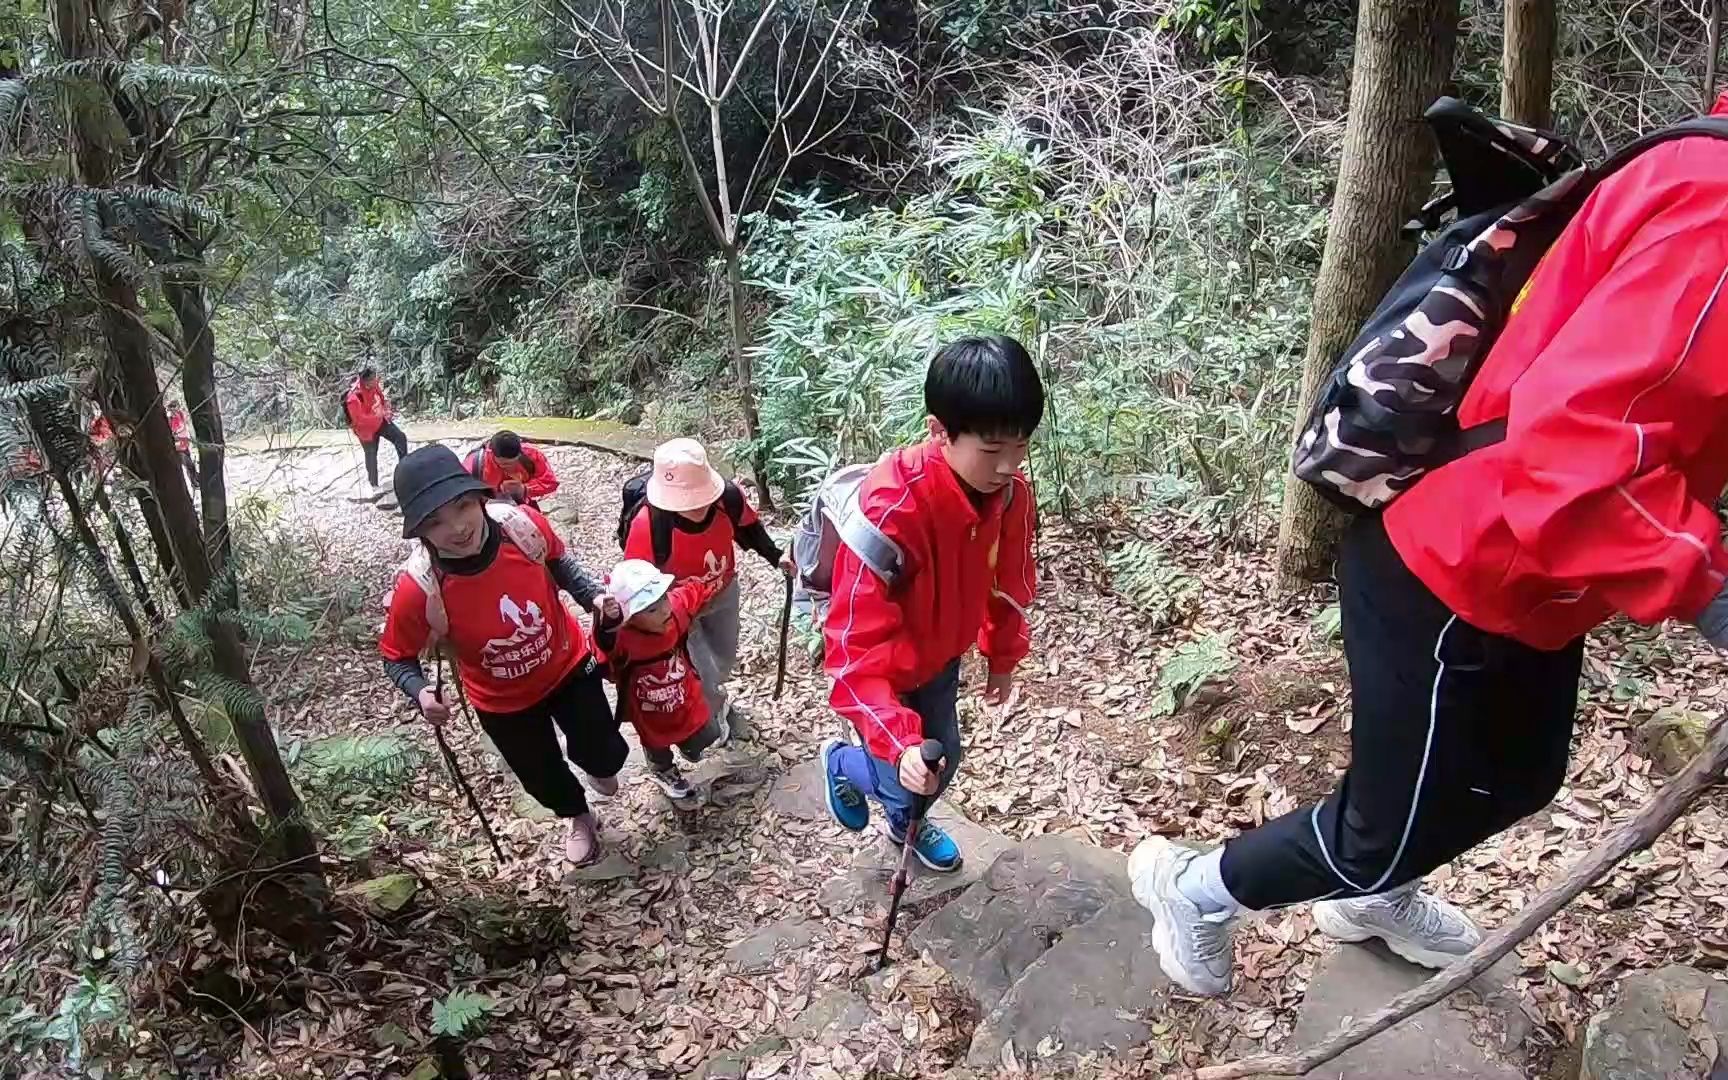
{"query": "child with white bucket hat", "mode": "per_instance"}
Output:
(647, 654)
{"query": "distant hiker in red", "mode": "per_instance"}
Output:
(1466, 602)
(691, 525)
(486, 581)
(646, 653)
(182, 431)
(102, 439)
(959, 515)
(371, 417)
(513, 469)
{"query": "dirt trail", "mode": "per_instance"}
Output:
(641, 986)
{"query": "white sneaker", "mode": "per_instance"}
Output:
(1193, 947)
(1417, 925)
(672, 782)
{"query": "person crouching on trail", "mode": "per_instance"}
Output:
(648, 657)
(514, 469)
(485, 584)
(371, 418)
(961, 514)
(691, 526)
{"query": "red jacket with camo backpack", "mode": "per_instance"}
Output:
(1550, 368)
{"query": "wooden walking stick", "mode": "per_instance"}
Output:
(931, 752)
(1640, 832)
(785, 628)
(456, 770)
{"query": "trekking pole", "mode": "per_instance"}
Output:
(785, 628)
(931, 752)
(456, 770)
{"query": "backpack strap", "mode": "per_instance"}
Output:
(660, 526)
(1715, 127)
(477, 464)
(732, 501)
(518, 528)
(421, 570)
(873, 547)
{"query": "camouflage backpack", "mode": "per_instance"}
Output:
(1388, 413)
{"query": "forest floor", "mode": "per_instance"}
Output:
(626, 977)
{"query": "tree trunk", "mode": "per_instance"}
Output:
(1527, 62)
(128, 557)
(1403, 56)
(742, 367)
(129, 377)
(198, 384)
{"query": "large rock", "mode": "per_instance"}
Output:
(1673, 737)
(1028, 898)
(797, 793)
(1053, 948)
(760, 953)
(1658, 1028)
(865, 883)
(1355, 980)
(830, 1017)
(1086, 994)
(385, 895)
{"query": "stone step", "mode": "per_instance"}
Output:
(1669, 1022)
(1055, 952)
(1442, 1041)
(798, 793)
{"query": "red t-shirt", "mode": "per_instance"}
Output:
(705, 551)
(659, 690)
(515, 639)
(178, 424)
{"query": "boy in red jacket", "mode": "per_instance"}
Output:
(648, 658)
(370, 416)
(1466, 603)
(962, 515)
(514, 469)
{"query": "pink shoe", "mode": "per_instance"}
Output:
(602, 785)
(582, 841)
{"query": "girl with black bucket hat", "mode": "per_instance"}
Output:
(486, 581)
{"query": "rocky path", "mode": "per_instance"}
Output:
(732, 941)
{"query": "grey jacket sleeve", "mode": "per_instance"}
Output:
(570, 576)
(409, 677)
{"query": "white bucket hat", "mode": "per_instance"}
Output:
(683, 480)
(637, 585)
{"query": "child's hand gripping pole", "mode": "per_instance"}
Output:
(931, 753)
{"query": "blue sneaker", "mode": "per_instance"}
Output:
(845, 801)
(933, 846)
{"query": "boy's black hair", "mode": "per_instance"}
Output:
(368, 373)
(985, 386)
(507, 444)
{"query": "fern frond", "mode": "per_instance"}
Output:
(370, 761)
(1141, 575)
(239, 700)
(13, 94)
(169, 79)
(164, 201)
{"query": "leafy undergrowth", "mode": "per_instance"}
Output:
(1233, 714)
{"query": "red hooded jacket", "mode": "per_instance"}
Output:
(367, 408)
(531, 470)
(968, 578)
(1612, 375)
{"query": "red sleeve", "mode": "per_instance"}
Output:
(543, 481)
(554, 543)
(405, 629)
(639, 544)
(1629, 389)
(867, 653)
(691, 597)
(1006, 636)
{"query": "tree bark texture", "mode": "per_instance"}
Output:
(128, 375)
(1527, 62)
(1403, 56)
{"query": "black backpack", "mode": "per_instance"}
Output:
(342, 405)
(1389, 411)
(634, 497)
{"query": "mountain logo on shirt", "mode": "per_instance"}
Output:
(714, 567)
(528, 646)
(662, 692)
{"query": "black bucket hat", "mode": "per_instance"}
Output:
(427, 479)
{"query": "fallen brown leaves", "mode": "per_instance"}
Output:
(636, 987)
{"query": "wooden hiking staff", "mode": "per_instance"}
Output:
(1675, 798)
(455, 769)
(785, 628)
